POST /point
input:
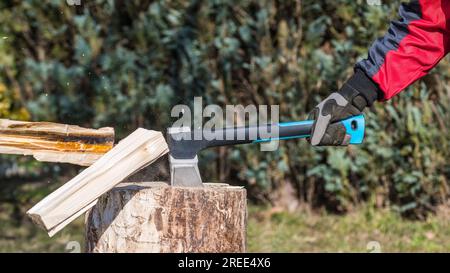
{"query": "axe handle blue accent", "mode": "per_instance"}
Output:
(354, 127)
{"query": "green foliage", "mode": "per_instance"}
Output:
(126, 63)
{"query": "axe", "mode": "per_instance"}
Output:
(183, 146)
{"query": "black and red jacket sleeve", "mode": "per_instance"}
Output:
(412, 46)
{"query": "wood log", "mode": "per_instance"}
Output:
(155, 217)
(133, 153)
(54, 142)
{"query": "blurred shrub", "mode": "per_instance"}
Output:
(126, 63)
(9, 107)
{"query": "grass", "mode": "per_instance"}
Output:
(365, 230)
(19, 234)
(269, 229)
(26, 237)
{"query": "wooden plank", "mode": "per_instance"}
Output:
(133, 153)
(69, 220)
(54, 142)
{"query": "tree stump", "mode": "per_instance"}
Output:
(155, 217)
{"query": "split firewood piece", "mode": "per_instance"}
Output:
(133, 153)
(54, 142)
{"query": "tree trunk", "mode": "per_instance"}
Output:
(155, 217)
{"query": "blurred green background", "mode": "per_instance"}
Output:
(125, 63)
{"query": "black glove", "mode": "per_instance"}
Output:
(357, 93)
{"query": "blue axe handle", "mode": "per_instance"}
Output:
(354, 127)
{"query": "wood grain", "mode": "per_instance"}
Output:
(54, 142)
(155, 217)
(136, 151)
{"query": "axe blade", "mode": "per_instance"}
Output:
(184, 172)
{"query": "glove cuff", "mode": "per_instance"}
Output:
(361, 84)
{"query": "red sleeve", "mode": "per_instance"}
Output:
(412, 46)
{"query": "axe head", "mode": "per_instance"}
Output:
(183, 157)
(184, 172)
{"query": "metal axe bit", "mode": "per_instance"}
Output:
(183, 147)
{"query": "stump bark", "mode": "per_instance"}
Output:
(155, 217)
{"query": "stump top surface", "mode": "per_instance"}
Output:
(162, 184)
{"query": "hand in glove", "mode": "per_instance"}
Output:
(357, 93)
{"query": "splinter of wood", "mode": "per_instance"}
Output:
(54, 142)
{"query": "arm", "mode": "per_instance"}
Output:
(412, 46)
